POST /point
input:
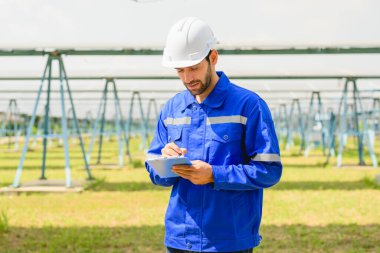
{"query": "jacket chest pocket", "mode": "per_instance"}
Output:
(226, 144)
(177, 134)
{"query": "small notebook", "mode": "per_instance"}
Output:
(163, 165)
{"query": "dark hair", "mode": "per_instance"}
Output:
(208, 56)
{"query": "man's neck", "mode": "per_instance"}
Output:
(214, 80)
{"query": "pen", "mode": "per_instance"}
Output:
(183, 150)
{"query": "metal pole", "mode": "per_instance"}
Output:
(370, 148)
(333, 124)
(376, 107)
(311, 118)
(75, 118)
(301, 126)
(309, 124)
(123, 126)
(130, 116)
(64, 129)
(46, 123)
(356, 123)
(331, 133)
(296, 120)
(118, 123)
(38, 130)
(289, 137)
(9, 123)
(323, 125)
(16, 181)
(152, 102)
(95, 128)
(343, 124)
(145, 133)
(102, 123)
(284, 123)
(16, 126)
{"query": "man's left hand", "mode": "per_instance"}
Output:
(198, 173)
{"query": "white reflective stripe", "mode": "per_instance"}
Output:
(177, 121)
(151, 156)
(266, 158)
(227, 119)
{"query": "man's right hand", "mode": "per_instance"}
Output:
(171, 149)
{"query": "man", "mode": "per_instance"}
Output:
(228, 134)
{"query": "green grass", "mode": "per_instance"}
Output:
(4, 224)
(312, 209)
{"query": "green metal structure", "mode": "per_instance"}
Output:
(121, 133)
(361, 127)
(56, 55)
(315, 115)
(47, 78)
(11, 124)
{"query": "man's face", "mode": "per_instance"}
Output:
(196, 78)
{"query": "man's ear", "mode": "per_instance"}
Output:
(213, 57)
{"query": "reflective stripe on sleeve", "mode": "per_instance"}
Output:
(227, 119)
(266, 158)
(151, 156)
(177, 121)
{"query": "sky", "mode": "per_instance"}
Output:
(236, 23)
(115, 24)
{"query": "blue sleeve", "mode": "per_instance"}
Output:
(263, 167)
(159, 141)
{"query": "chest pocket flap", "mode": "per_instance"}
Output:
(174, 133)
(226, 133)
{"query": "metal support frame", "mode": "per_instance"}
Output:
(144, 134)
(281, 123)
(52, 123)
(315, 116)
(249, 51)
(24, 124)
(374, 120)
(71, 130)
(330, 133)
(151, 103)
(10, 118)
(70, 123)
(121, 134)
(295, 120)
(87, 123)
(361, 130)
(47, 76)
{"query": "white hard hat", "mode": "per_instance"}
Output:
(189, 41)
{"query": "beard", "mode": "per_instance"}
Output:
(197, 87)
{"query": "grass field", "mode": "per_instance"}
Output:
(312, 209)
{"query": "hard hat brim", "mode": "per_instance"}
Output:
(180, 64)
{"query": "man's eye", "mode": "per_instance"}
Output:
(179, 70)
(194, 69)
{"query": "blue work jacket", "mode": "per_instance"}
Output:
(233, 131)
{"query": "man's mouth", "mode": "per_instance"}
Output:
(192, 85)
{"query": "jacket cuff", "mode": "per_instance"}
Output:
(219, 177)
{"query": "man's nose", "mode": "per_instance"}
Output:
(188, 77)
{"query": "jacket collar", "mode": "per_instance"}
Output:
(216, 98)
